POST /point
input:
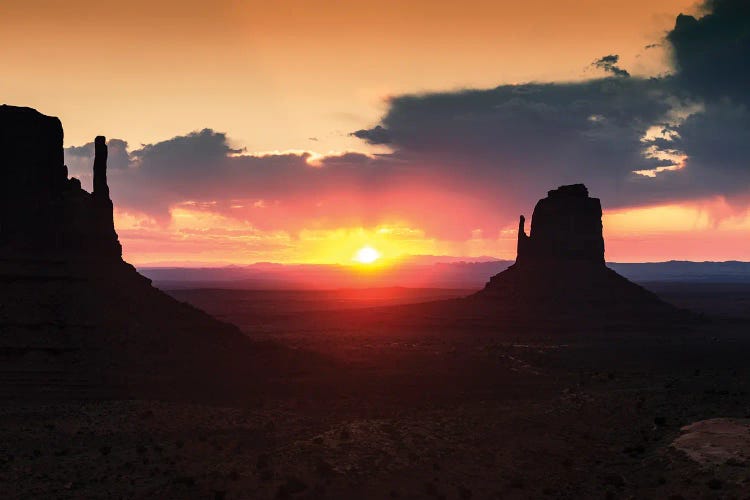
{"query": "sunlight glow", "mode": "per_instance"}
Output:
(201, 235)
(366, 255)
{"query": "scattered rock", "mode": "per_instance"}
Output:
(715, 441)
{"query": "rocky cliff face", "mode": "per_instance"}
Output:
(43, 213)
(566, 225)
(76, 320)
(560, 269)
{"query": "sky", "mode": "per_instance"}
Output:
(301, 131)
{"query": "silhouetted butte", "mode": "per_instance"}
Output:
(560, 272)
(75, 319)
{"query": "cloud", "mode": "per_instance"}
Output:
(710, 55)
(375, 135)
(509, 144)
(520, 139)
(716, 142)
(289, 191)
(609, 65)
(711, 52)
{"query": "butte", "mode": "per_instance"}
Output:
(76, 321)
(560, 277)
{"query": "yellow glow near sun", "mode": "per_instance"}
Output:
(366, 255)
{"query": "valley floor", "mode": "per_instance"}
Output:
(407, 408)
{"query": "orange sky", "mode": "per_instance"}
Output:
(651, 234)
(274, 74)
(301, 75)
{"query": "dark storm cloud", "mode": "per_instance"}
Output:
(375, 135)
(711, 53)
(609, 64)
(717, 142)
(529, 137)
(510, 143)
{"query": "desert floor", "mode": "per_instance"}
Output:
(410, 408)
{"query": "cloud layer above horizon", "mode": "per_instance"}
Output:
(467, 162)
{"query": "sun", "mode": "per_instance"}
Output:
(366, 255)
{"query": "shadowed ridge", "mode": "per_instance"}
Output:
(77, 321)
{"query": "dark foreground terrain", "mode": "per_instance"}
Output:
(409, 406)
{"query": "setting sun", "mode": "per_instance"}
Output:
(366, 255)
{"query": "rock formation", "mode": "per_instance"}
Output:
(75, 319)
(565, 226)
(42, 212)
(560, 269)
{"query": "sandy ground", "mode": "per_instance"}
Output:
(410, 412)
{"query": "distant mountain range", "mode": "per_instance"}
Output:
(427, 272)
(679, 270)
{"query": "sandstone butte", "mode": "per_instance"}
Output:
(76, 321)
